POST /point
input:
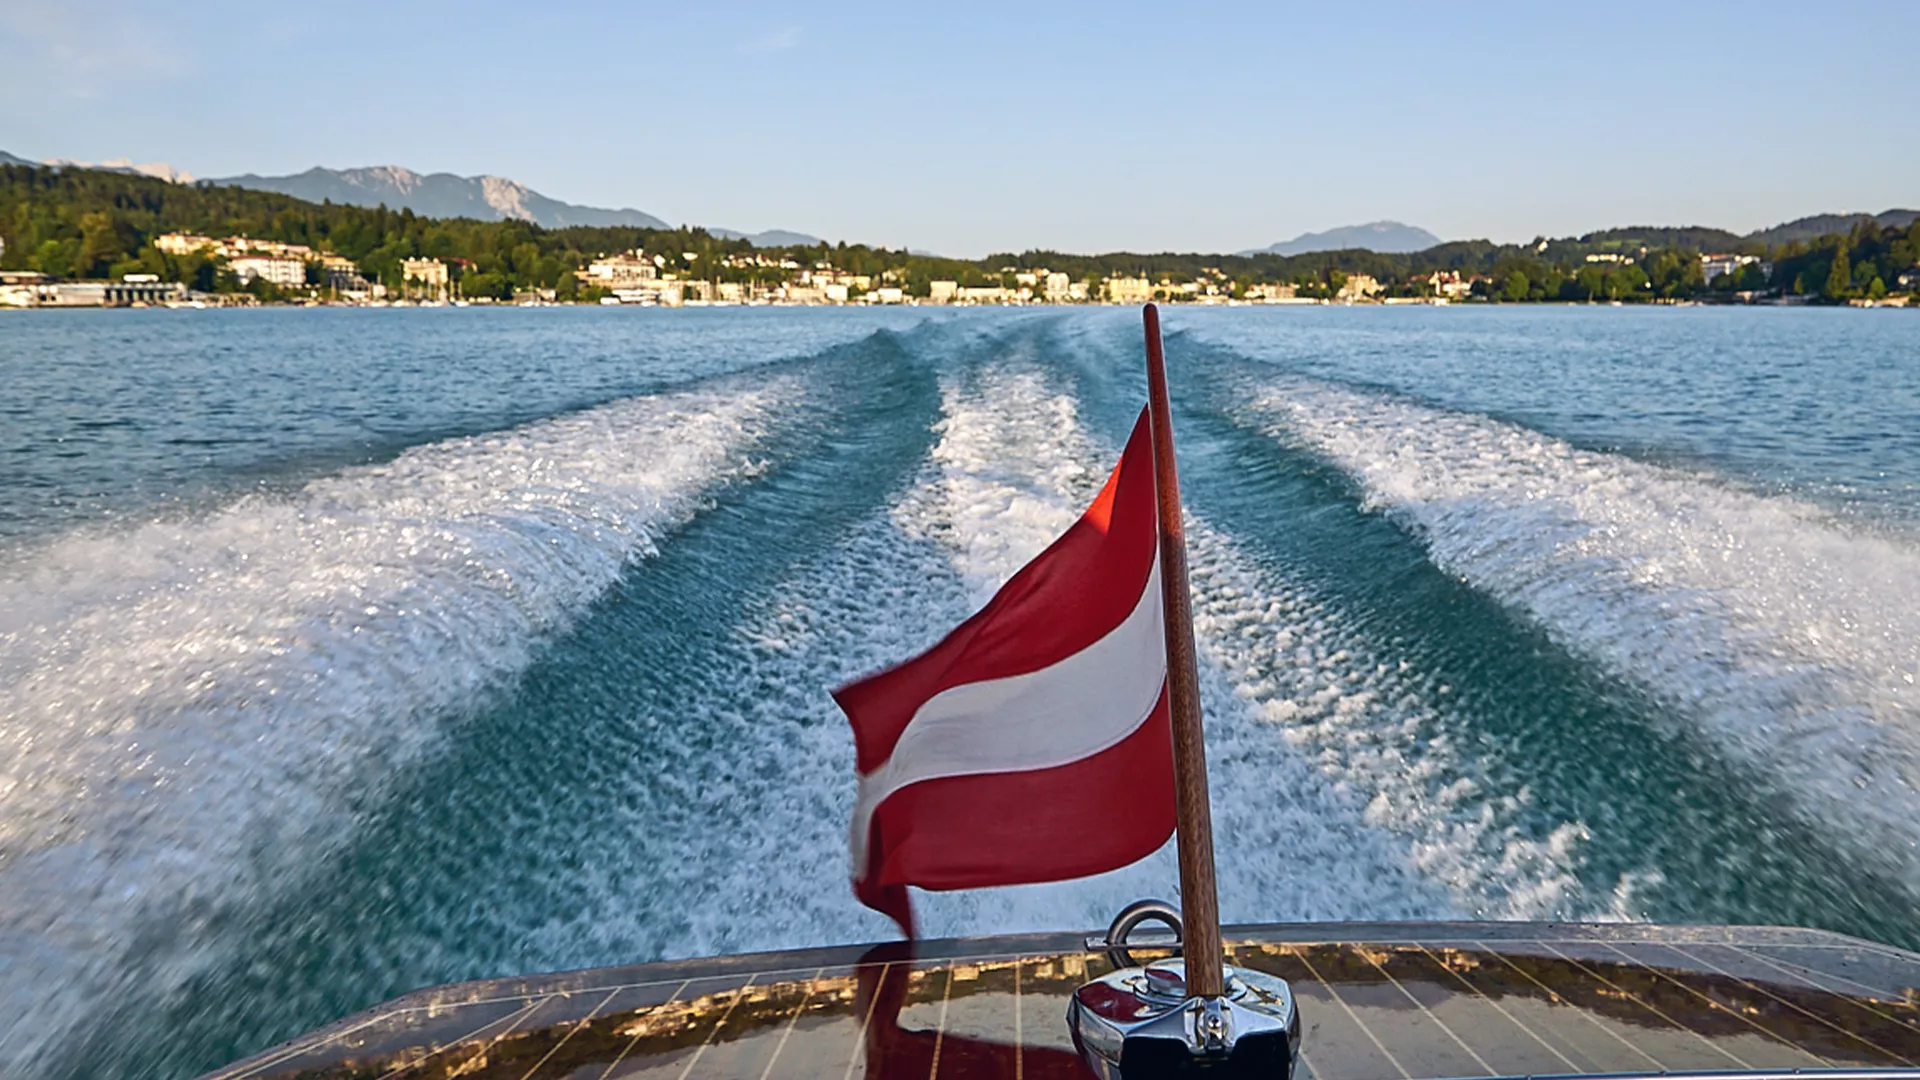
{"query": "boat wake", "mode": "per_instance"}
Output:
(1015, 465)
(193, 707)
(556, 696)
(1788, 640)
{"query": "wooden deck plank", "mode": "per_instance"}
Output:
(1377, 1002)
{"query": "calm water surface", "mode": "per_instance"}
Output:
(346, 652)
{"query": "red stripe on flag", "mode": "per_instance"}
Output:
(1063, 601)
(1059, 684)
(1086, 817)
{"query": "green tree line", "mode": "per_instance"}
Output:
(86, 223)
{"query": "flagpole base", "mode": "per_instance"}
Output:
(1139, 1023)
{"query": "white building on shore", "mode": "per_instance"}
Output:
(624, 270)
(428, 276)
(1712, 266)
(25, 289)
(178, 244)
(285, 271)
(1358, 287)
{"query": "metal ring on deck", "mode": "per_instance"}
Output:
(1130, 918)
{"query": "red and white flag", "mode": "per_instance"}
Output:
(1032, 743)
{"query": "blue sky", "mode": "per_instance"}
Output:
(970, 128)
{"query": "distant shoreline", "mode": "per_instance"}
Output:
(1896, 302)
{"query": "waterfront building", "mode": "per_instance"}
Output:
(134, 289)
(24, 288)
(1449, 284)
(668, 291)
(1712, 266)
(654, 294)
(623, 270)
(1058, 287)
(282, 270)
(1271, 294)
(943, 292)
(886, 294)
(142, 289)
(429, 276)
(182, 243)
(342, 276)
(1129, 290)
(988, 294)
(1358, 287)
(234, 246)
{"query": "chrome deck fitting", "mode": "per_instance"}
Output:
(1138, 1023)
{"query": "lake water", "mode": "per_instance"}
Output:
(346, 652)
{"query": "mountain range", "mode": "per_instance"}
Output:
(159, 170)
(770, 238)
(440, 195)
(1385, 237)
(1389, 237)
(496, 198)
(1812, 228)
(487, 198)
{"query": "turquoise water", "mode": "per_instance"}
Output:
(351, 651)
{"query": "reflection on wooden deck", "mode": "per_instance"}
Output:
(1378, 1002)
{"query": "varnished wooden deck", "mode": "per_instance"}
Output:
(1378, 1002)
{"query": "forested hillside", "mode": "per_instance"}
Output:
(86, 223)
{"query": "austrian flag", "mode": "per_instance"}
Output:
(1033, 742)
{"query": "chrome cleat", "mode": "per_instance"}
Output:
(1137, 1022)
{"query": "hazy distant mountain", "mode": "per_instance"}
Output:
(441, 195)
(495, 198)
(159, 170)
(488, 198)
(1809, 228)
(1386, 237)
(770, 238)
(1692, 237)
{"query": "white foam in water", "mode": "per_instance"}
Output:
(755, 857)
(760, 858)
(1791, 641)
(1335, 798)
(1013, 468)
(189, 705)
(1372, 727)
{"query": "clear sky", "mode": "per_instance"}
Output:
(967, 128)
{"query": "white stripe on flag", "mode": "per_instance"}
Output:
(1061, 714)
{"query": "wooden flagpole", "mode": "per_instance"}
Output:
(1199, 903)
